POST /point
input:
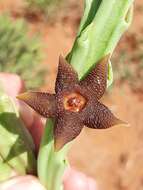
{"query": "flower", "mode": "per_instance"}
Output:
(75, 103)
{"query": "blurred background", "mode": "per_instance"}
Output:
(32, 35)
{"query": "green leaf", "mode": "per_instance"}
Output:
(16, 144)
(5, 170)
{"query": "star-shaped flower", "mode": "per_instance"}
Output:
(75, 103)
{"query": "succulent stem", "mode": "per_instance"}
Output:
(101, 27)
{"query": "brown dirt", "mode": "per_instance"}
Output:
(114, 157)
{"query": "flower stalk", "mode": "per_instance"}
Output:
(101, 27)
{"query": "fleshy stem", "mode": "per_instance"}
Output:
(101, 27)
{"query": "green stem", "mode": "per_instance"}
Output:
(51, 168)
(101, 36)
(101, 27)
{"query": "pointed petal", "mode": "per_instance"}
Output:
(41, 102)
(66, 129)
(96, 81)
(100, 117)
(66, 75)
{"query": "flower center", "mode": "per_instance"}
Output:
(74, 102)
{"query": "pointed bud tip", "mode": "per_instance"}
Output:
(58, 145)
(105, 59)
(24, 96)
(122, 123)
(61, 56)
(62, 59)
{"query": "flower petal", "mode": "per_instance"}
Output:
(41, 102)
(67, 127)
(66, 75)
(100, 117)
(96, 81)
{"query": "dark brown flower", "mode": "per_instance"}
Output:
(75, 103)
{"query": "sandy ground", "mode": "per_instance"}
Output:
(114, 157)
